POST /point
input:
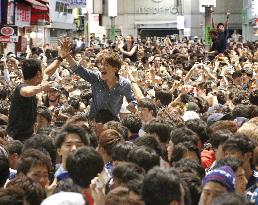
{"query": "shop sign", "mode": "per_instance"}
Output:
(22, 15)
(8, 34)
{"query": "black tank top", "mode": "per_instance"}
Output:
(133, 57)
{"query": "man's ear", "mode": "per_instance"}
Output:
(248, 156)
(58, 151)
(14, 156)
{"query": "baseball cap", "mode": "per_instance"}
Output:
(223, 175)
(64, 198)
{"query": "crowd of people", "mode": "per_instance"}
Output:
(131, 123)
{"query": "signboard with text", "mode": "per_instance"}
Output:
(22, 15)
(77, 3)
(8, 33)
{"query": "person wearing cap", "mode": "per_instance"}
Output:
(217, 182)
(52, 99)
(44, 117)
(108, 88)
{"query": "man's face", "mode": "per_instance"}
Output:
(41, 122)
(108, 71)
(129, 39)
(241, 181)
(39, 77)
(53, 95)
(238, 81)
(98, 127)
(39, 174)
(78, 56)
(71, 143)
(210, 191)
(221, 28)
(145, 114)
(157, 61)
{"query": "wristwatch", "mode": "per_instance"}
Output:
(59, 58)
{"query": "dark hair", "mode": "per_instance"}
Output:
(71, 128)
(145, 157)
(148, 103)
(199, 127)
(150, 141)
(247, 111)
(219, 137)
(42, 143)
(240, 143)
(165, 96)
(233, 162)
(30, 68)
(183, 134)
(104, 116)
(237, 74)
(132, 122)
(4, 169)
(83, 165)
(15, 146)
(220, 24)
(12, 196)
(189, 165)
(183, 147)
(160, 127)
(121, 150)
(31, 158)
(34, 193)
(67, 185)
(45, 112)
(161, 186)
(253, 97)
(230, 199)
(125, 172)
(120, 195)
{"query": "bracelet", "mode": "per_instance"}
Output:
(133, 82)
(59, 58)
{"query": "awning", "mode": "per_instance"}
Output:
(37, 5)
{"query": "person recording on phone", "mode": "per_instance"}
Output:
(23, 109)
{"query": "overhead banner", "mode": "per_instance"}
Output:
(77, 4)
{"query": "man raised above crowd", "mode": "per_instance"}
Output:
(23, 110)
(108, 88)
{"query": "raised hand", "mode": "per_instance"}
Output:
(65, 47)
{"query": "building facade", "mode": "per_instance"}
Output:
(250, 20)
(159, 17)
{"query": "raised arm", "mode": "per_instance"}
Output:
(132, 51)
(226, 23)
(212, 20)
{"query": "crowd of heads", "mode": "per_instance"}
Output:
(192, 139)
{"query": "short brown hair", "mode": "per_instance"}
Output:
(120, 195)
(108, 139)
(112, 59)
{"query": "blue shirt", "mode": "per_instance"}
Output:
(104, 98)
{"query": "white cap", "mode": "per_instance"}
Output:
(64, 198)
(190, 115)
